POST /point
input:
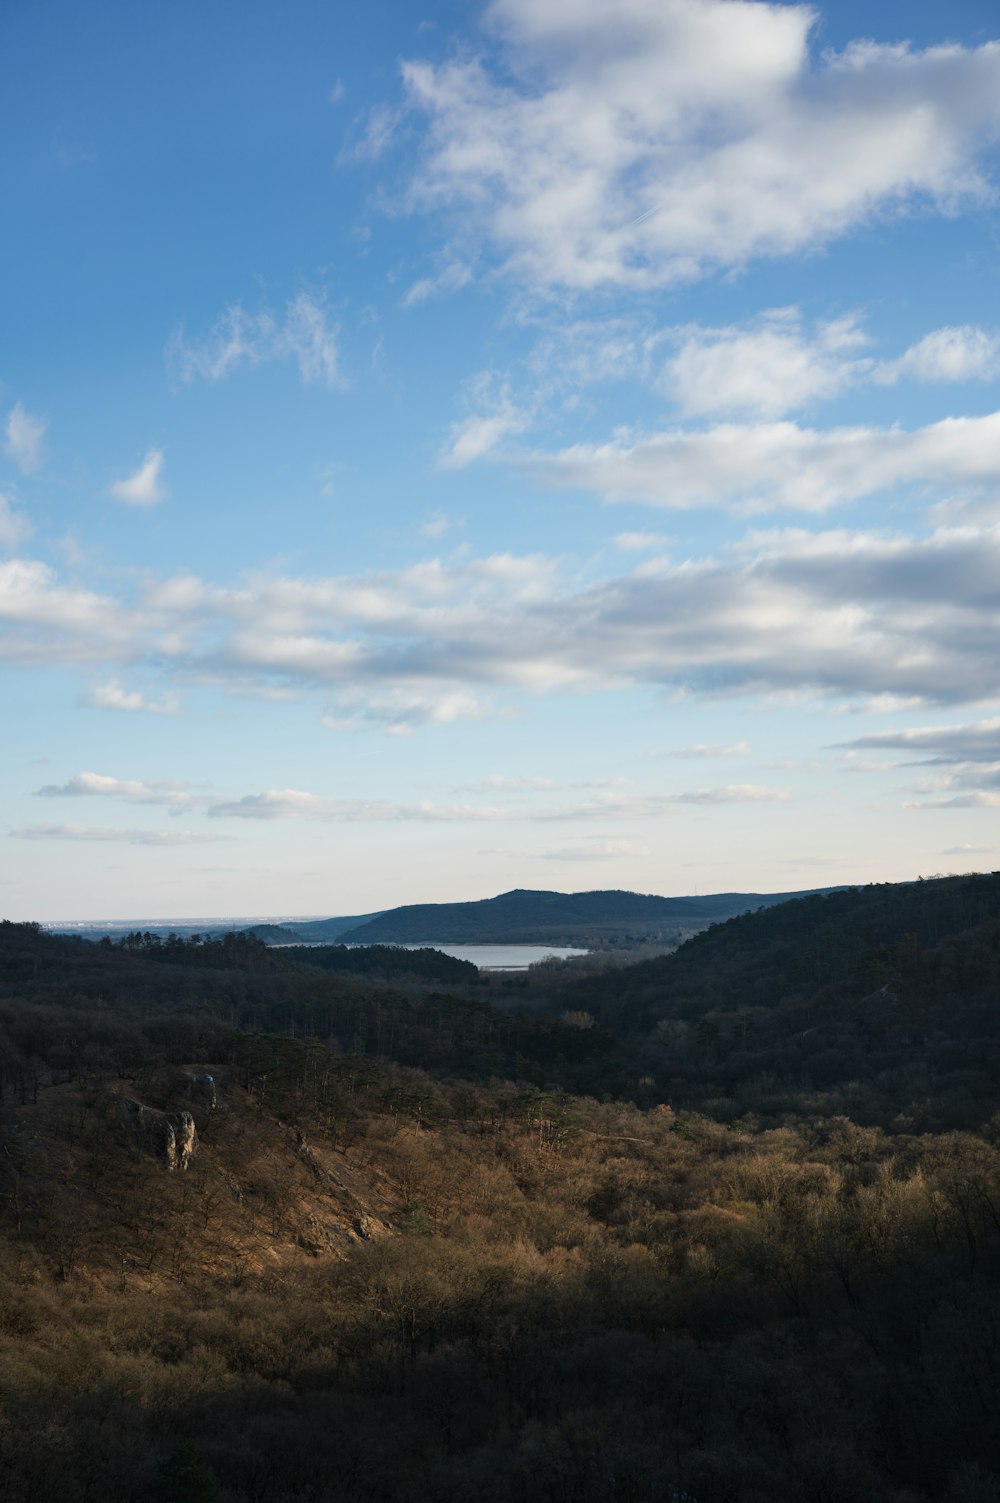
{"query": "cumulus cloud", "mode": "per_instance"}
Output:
(23, 434)
(646, 143)
(114, 696)
(143, 488)
(303, 333)
(763, 369)
(769, 465)
(114, 836)
(775, 364)
(42, 620)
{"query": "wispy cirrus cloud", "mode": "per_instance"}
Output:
(297, 804)
(303, 333)
(706, 750)
(597, 849)
(114, 836)
(494, 417)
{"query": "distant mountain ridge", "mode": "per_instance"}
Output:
(526, 916)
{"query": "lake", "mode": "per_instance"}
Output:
(499, 957)
(486, 957)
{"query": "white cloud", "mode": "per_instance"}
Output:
(978, 742)
(438, 523)
(647, 142)
(142, 488)
(454, 276)
(496, 417)
(735, 793)
(399, 710)
(114, 696)
(640, 542)
(767, 367)
(703, 751)
(763, 369)
(296, 804)
(965, 760)
(23, 438)
(980, 800)
(44, 620)
(767, 465)
(303, 334)
(114, 836)
(293, 803)
(965, 353)
(597, 850)
(176, 795)
(888, 620)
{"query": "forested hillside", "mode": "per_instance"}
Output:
(524, 917)
(722, 1227)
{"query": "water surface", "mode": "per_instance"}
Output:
(499, 957)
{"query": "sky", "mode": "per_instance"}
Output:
(446, 448)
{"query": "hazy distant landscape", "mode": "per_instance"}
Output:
(514, 918)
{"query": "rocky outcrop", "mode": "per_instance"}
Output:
(201, 1089)
(168, 1135)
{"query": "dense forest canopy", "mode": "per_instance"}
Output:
(720, 1226)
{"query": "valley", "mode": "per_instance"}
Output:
(723, 1223)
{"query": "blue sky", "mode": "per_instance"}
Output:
(550, 444)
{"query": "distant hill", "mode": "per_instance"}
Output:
(272, 934)
(327, 931)
(524, 916)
